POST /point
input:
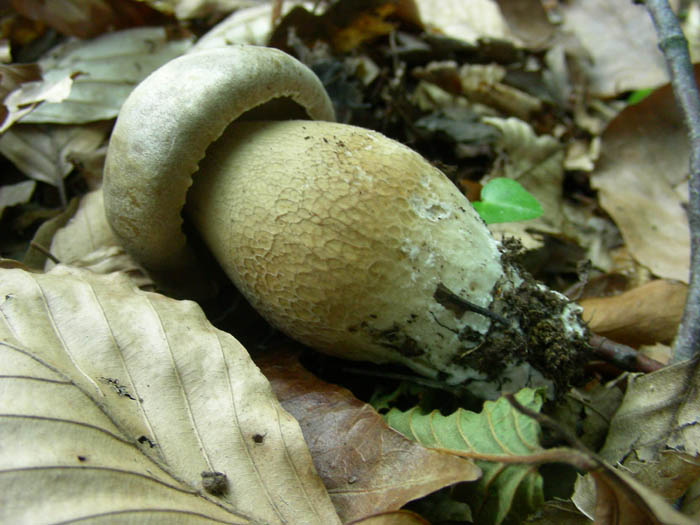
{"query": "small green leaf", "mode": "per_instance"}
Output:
(506, 492)
(505, 200)
(637, 96)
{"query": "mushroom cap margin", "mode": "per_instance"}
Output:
(165, 127)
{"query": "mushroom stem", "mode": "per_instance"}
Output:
(355, 245)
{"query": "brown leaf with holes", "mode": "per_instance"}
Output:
(366, 466)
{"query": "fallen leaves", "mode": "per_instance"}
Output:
(115, 401)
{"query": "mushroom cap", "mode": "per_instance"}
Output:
(166, 125)
(346, 240)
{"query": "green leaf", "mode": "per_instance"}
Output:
(638, 95)
(505, 200)
(506, 492)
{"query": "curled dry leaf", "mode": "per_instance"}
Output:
(634, 317)
(128, 405)
(366, 466)
(26, 97)
(643, 162)
(612, 497)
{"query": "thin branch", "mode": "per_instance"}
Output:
(674, 46)
(622, 356)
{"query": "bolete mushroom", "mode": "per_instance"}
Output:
(342, 238)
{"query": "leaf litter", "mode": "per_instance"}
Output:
(188, 400)
(534, 91)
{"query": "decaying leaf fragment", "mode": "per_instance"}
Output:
(115, 401)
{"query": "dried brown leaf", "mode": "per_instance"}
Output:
(634, 317)
(102, 72)
(644, 161)
(468, 21)
(619, 47)
(366, 466)
(528, 20)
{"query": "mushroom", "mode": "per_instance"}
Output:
(342, 238)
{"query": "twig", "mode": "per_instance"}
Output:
(675, 49)
(44, 251)
(622, 356)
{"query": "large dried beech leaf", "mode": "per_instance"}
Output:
(116, 401)
(643, 163)
(620, 44)
(104, 71)
(366, 466)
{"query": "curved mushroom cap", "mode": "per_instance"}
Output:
(168, 122)
(347, 241)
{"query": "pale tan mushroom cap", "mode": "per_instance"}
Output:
(340, 237)
(168, 122)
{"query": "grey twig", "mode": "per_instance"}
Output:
(674, 46)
